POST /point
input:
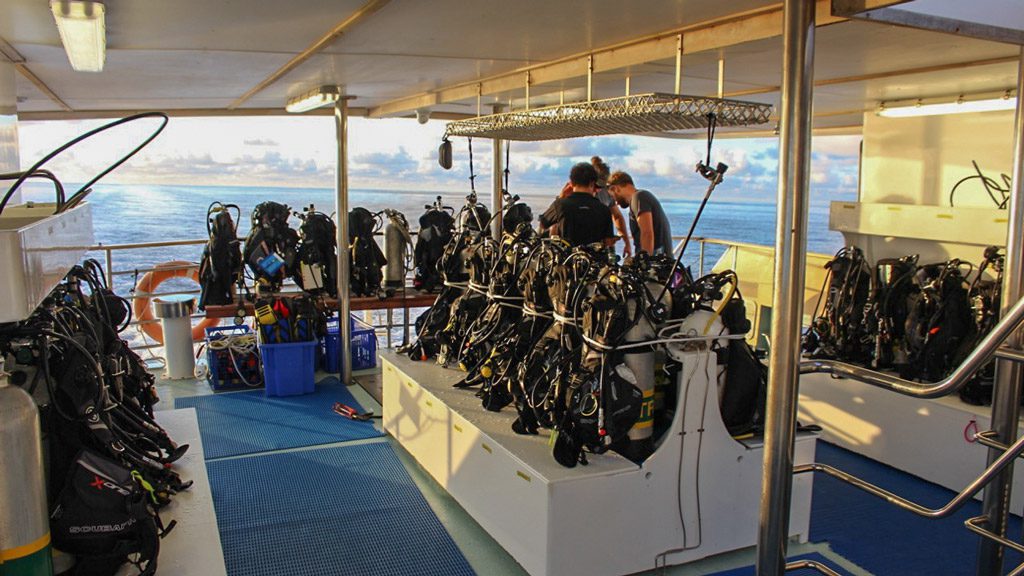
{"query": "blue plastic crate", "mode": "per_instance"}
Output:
(223, 369)
(289, 369)
(364, 346)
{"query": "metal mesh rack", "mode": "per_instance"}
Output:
(637, 114)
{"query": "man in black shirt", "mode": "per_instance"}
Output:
(580, 218)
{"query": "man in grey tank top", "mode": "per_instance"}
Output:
(651, 230)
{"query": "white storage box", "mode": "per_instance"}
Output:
(37, 248)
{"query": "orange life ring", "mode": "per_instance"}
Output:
(147, 285)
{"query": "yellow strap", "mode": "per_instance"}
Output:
(25, 550)
(149, 487)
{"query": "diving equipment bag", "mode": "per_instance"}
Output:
(317, 253)
(103, 515)
(840, 331)
(365, 255)
(270, 248)
(437, 225)
(221, 265)
(938, 322)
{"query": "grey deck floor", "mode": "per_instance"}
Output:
(484, 554)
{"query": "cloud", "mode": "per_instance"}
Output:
(260, 142)
(608, 147)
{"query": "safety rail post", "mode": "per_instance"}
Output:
(787, 300)
(109, 260)
(700, 263)
(341, 209)
(1007, 392)
(497, 200)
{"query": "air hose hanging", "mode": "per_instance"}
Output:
(472, 174)
(81, 193)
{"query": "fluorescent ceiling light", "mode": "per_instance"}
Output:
(321, 96)
(83, 32)
(959, 105)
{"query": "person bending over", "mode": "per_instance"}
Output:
(652, 232)
(606, 198)
(579, 218)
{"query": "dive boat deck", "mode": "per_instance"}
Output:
(831, 506)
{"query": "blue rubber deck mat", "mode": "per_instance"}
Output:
(339, 510)
(248, 422)
(886, 540)
(749, 570)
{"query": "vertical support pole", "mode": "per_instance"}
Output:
(590, 78)
(627, 86)
(391, 323)
(341, 209)
(721, 76)
(679, 63)
(405, 323)
(1007, 392)
(497, 201)
(787, 301)
(527, 89)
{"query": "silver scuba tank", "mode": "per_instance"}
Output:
(24, 522)
(397, 241)
(642, 364)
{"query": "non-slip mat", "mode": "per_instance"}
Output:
(886, 540)
(340, 510)
(749, 570)
(248, 422)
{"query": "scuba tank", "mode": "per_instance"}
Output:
(642, 362)
(397, 241)
(221, 265)
(24, 522)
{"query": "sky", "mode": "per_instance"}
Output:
(401, 155)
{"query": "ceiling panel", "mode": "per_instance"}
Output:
(201, 54)
(134, 79)
(532, 30)
(246, 26)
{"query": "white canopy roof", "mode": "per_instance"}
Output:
(395, 56)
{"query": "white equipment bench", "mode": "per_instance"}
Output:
(696, 496)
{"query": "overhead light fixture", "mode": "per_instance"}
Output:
(316, 98)
(83, 31)
(990, 102)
